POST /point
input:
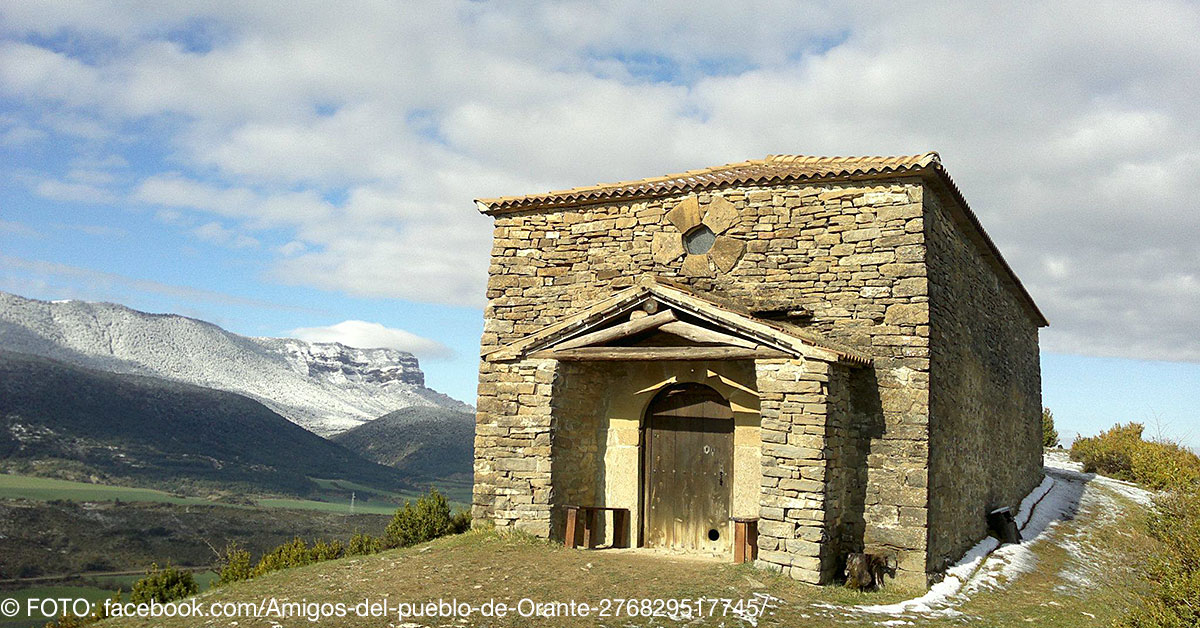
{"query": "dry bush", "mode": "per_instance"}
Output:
(1123, 454)
(1174, 572)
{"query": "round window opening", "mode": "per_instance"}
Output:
(699, 240)
(713, 535)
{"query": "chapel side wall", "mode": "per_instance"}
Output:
(811, 498)
(985, 389)
(852, 253)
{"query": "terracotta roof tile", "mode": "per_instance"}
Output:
(774, 169)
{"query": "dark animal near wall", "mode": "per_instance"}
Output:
(865, 572)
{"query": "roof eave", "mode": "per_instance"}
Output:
(942, 177)
(572, 198)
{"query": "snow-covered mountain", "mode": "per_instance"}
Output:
(325, 387)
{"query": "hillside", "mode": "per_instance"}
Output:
(47, 538)
(154, 432)
(324, 387)
(433, 443)
(1079, 567)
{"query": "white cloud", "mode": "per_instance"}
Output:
(18, 229)
(291, 249)
(367, 335)
(73, 192)
(215, 233)
(1071, 127)
(76, 280)
(20, 135)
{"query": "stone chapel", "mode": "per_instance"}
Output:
(810, 356)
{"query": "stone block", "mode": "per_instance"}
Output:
(696, 266)
(777, 529)
(720, 215)
(666, 247)
(867, 259)
(686, 215)
(726, 252)
(907, 314)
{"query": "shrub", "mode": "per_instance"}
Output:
(1049, 434)
(297, 553)
(1121, 453)
(460, 522)
(234, 564)
(326, 551)
(1174, 600)
(416, 523)
(164, 585)
(363, 544)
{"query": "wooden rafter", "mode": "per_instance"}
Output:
(696, 333)
(622, 330)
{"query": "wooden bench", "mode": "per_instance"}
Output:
(583, 527)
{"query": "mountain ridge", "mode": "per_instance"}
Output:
(58, 418)
(432, 443)
(324, 387)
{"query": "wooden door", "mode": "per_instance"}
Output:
(687, 466)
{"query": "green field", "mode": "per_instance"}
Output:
(22, 620)
(458, 492)
(367, 508)
(49, 489)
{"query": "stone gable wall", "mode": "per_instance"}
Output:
(985, 389)
(853, 254)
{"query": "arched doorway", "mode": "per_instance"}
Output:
(687, 469)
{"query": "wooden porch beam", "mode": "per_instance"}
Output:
(622, 330)
(696, 333)
(612, 354)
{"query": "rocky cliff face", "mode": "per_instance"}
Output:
(325, 387)
(338, 363)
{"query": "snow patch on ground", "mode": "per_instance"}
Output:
(1064, 493)
(1102, 507)
(964, 572)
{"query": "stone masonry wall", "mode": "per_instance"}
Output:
(851, 253)
(985, 387)
(794, 404)
(513, 429)
(579, 419)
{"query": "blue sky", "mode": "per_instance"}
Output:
(280, 167)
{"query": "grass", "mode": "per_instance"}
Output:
(48, 489)
(338, 506)
(479, 566)
(22, 620)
